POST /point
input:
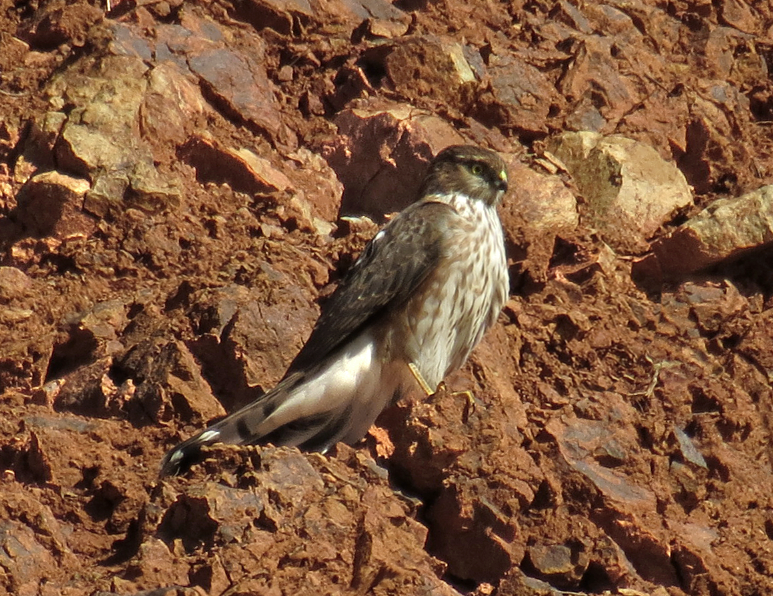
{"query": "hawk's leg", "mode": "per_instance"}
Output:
(420, 379)
(441, 388)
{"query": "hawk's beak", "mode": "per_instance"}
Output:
(502, 182)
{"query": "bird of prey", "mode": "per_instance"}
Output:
(411, 308)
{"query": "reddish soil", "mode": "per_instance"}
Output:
(173, 178)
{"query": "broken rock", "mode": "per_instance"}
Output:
(519, 98)
(425, 67)
(382, 155)
(100, 139)
(241, 169)
(241, 86)
(51, 204)
(559, 564)
(536, 209)
(726, 229)
(631, 191)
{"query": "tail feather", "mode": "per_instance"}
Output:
(246, 426)
(295, 413)
(338, 401)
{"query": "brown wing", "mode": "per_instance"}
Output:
(392, 266)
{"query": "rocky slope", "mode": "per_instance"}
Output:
(181, 186)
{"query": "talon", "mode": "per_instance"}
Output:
(470, 406)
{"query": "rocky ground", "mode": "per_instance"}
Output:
(181, 186)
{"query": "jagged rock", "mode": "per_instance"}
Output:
(245, 346)
(241, 86)
(740, 15)
(627, 512)
(382, 153)
(51, 204)
(726, 229)
(100, 139)
(464, 512)
(38, 149)
(211, 514)
(602, 92)
(544, 208)
(284, 16)
(170, 383)
(60, 25)
(519, 96)
(568, 441)
(560, 565)
(424, 68)
(381, 10)
(157, 564)
(242, 169)
(754, 343)
(354, 525)
(325, 191)
(170, 103)
(278, 15)
(385, 28)
(14, 284)
(24, 557)
(710, 142)
(630, 190)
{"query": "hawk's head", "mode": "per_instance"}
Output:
(478, 173)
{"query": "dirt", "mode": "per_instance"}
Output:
(182, 185)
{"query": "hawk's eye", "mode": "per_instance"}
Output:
(476, 169)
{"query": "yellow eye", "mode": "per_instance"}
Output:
(476, 169)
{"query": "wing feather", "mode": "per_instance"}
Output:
(394, 263)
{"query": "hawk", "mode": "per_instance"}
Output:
(411, 308)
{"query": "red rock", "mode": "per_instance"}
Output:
(519, 98)
(710, 144)
(240, 168)
(756, 340)
(283, 16)
(14, 284)
(425, 68)
(171, 101)
(377, 142)
(594, 69)
(577, 343)
(740, 15)
(492, 537)
(275, 14)
(51, 204)
(27, 561)
(58, 26)
(325, 190)
(244, 346)
(241, 86)
(559, 564)
(39, 146)
(542, 201)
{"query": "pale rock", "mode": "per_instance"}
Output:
(724, 230)
(630, 190)
(542, 201)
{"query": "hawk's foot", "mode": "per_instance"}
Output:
(470, 402)
(470, 405)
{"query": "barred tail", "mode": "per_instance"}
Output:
(337, 401)
(247, 426)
